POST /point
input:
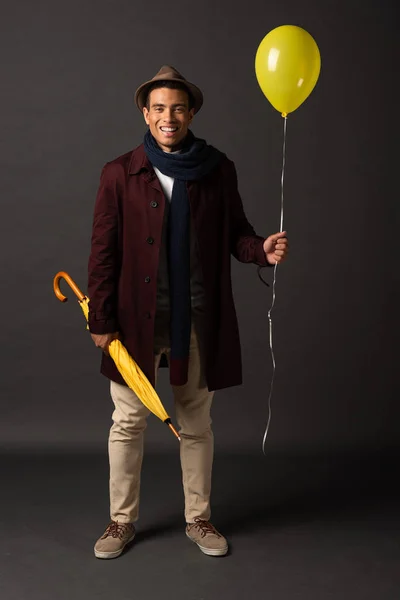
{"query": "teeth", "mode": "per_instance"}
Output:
(169, 129)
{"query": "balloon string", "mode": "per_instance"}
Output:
(273, 292)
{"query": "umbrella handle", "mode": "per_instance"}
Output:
(71, 283)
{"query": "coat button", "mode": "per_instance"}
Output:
(147, 279)
(150, 240)
(147, 315)
(154, 204)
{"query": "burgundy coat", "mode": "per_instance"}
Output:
(123, 263)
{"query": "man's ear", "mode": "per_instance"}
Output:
(146, 115)
(191, 115)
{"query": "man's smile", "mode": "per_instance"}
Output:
(168, 131)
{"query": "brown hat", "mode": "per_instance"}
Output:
(167, 73)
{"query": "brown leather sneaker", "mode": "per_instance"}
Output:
(114, 539)
(208, 539)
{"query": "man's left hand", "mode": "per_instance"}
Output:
(276, 248)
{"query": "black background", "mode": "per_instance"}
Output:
(316, 518)
(69, 74)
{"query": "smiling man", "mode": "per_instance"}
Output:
(168, 217)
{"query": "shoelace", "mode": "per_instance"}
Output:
(205, 527)
(115, 529)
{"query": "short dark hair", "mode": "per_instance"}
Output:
(172, 85)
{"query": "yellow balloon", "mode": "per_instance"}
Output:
(288, 64)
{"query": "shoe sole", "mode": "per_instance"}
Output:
(209, 551)
(116, 553)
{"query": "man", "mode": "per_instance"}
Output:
(167, 218)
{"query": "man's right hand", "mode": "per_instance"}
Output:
(103, 341)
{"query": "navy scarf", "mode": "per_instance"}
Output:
(195, 161)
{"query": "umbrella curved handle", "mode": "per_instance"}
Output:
(71, 283)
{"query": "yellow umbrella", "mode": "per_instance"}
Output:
(130, 371)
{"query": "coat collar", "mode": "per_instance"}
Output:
(139, 161)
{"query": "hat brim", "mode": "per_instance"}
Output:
(143, 90)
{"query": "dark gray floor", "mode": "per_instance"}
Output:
(300, 527)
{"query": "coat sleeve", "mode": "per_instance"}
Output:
(103, 260)
(245, 245)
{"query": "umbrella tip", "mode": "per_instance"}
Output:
(174, 431)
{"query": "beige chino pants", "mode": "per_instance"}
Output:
(192, 405)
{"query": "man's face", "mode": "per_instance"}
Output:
(168, 117)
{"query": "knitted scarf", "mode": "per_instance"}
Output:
(194, 162)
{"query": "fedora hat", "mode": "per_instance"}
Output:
(167, 73)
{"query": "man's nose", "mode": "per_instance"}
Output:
(169, 114)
